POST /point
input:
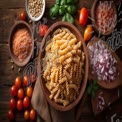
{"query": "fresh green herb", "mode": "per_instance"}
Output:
(65, 8)
(64, 18)
(54, 11)
(58, 2)
(63, 2)
(71, 9)
(62, 10)
(69, 1)
(92, 88)
(67, 17)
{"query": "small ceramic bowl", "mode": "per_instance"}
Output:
(79, 37)
(20, 25)
(29, 14)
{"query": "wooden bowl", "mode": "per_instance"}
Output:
(75, 31)
(118, 79)
(93, 16)
(19, 25)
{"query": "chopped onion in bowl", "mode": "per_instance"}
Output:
(102, 62)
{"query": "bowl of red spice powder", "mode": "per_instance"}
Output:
(21, 43)
(104, 16)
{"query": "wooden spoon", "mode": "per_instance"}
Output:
(106, 84)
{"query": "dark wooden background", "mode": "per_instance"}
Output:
(9, 14)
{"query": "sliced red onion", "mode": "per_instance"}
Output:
(102, 62)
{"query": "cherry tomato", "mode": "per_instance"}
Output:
(26, 80)
(29, 91)
(19, 105)
(18, 82)
(26, 115)
(10, 115)
(88, 33)
(20, 93)
(32, 114)
(12, 103)
(13, 90)
(26, 102)
(23, 15)
(83, 18)
(43, 29)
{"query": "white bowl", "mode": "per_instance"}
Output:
(30, 16)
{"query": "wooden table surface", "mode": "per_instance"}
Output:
(9, 14)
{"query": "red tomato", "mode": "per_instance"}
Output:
(10, 115)
(32, 114)
(13, 90)
(83, 18)
(18, 82)
(20, 93)
(19, 105)
(29, 91)
(12, 103)
(43, 29)
(26, 102)
(23, 15)
(26, 115)
(26, 80)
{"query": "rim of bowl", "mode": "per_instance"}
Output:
(12, 32)
(33, 18)
(83, 85)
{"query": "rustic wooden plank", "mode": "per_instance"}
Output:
(5, 95)
(7, 18)
(7, 75)
(12, 3)
(20, 4)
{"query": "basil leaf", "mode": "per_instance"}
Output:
(89, 89)
(71, 9)
(54, 11)
(69, 1)
(58, 2)
(64, 18)
(93, 94)
(63, 2)
(95, 88)
(62, 10)
(69, 18)
(94, 82)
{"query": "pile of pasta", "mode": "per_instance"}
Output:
(63, 66)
